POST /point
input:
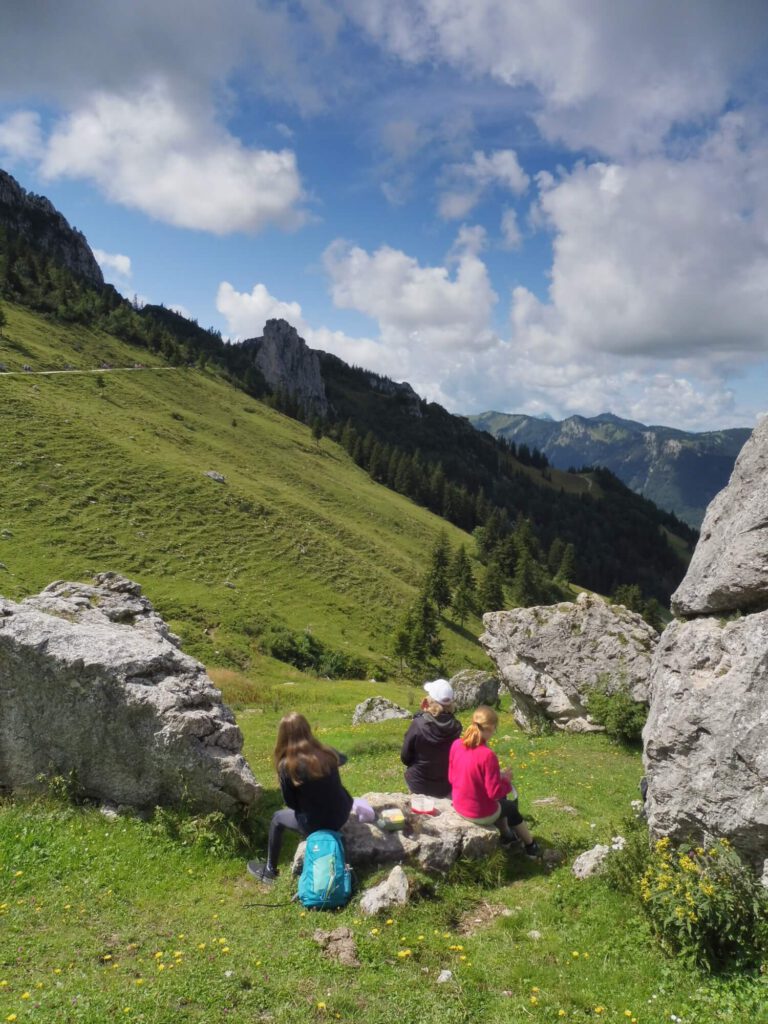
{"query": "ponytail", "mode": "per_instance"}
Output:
(483, 718)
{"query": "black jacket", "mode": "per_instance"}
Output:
(318, 803)
(425, 752)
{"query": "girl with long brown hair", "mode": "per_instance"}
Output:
(308, 773)
(481, 791)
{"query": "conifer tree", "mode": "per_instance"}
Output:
(437, 584)
(425, 642)
(403, 638)
(525, 585)
(555, 554)
(491, 596)
(567, 565)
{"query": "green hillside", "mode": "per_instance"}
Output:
(106, 471)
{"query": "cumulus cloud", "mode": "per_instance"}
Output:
(510, 230)
(20, 136)
(663, 257)
(591, 61)
(445, 307)
(471, 179)
(114, 263)
(147, 151)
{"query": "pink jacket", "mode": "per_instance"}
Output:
(476, 780)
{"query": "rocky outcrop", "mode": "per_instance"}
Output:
(94, 688)
(550, 656)
(432, 843)
(706, 738)
(289, 365)
(37, 220)
(472, 687)
(378, 709)
(729, 568)
(402, 393)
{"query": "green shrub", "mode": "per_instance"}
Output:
(625, 867)
(306, 652)
(622, 717)
(705, 904)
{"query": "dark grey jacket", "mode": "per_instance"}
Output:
(425, 753)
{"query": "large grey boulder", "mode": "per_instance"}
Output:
(706, 738)
(433, 843)
(729, 568)
(472, 687)
(94, 688)
(378, 709)
(549, 656)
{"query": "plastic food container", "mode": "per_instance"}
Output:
(421, 804)
(391, 819)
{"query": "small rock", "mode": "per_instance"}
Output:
(6, 534)
(591, 861)
(109, 810)
(392, 892)
(213, 475)
(534, 935)
(472, 687)
(444, 976)
(231, 586)
(378, 709)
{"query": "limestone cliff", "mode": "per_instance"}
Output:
(289, 365)
(37, 220)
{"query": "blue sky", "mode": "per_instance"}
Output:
(549, 206)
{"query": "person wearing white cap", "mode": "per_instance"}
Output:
(428, 741)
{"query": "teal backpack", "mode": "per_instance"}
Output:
(326, 880)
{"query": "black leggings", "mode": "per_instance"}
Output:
(509, 814)
(281, 820)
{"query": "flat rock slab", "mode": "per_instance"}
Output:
(94, 688)
(434, 843)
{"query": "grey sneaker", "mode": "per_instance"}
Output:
(261, 871)
(533, 850)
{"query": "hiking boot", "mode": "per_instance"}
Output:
(533, 850)
(261, 871)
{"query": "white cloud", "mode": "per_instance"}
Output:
(20, 136)
(510, 231)
(665, 258)
(612, 76)
(246, 313)
(114, 262)
(147, 151)
(471, 179)
(430, 305)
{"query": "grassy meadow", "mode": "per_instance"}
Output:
(106, 920)
(125, 920)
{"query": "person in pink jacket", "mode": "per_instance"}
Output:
(482, 793)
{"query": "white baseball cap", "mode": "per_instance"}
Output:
(440, 690)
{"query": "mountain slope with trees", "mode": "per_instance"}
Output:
(534, 524)
(676, 469)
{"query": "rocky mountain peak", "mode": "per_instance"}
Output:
(289, 364)
(37, 220)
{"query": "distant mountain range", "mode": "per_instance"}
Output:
(678, 471)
